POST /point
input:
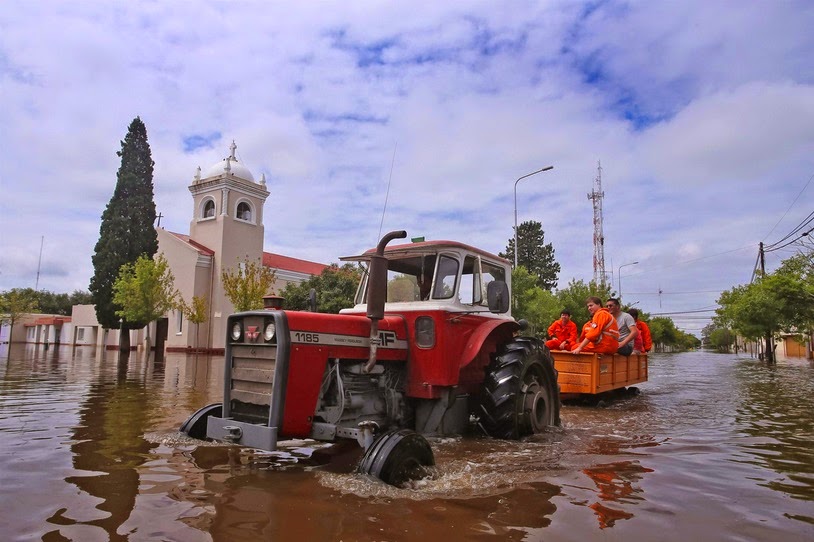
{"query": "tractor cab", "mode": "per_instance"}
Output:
(439, 275)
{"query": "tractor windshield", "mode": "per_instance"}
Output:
(411, 279)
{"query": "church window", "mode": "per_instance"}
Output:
(209, 209)
(244, 211)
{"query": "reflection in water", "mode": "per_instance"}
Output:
(714, 448)
(617, 483)
(774, 414)
(108, 448)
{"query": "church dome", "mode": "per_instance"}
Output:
(229, 165)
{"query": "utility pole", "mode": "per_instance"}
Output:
(769, 346)
(599, 237)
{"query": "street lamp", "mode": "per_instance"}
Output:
(620, 279)
(547, 168)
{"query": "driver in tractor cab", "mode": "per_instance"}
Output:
(424, 277)
(563, 333)
(600, 334)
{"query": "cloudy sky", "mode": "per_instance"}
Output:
(701, 113)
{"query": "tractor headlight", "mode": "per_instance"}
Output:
(268, 331)
(237, 331)
(425, 332)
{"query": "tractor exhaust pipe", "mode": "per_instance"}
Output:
(377, 293)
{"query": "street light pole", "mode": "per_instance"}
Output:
(547, 168)
(620, 279)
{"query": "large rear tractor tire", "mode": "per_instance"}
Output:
(195, 426)
(397, 457)
(520, 394)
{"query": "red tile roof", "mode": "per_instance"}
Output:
(278, 261)
(201, 249)
(49, 321)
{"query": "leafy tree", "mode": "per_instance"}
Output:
(196, 312)
(335, 288)
(663, 332)
(573, 298)
(537, 306)
(246, 285)
(53, 303)
(782, 301)
(534, 254)
(126, 231)
(721, 339)
(403, 288)
(14, 304)
(145, 290)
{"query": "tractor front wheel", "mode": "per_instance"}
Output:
(520, 394)
(397, 457)
(195, 426)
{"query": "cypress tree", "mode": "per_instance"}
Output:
(127, 229)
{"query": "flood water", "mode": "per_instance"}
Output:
(716, 447)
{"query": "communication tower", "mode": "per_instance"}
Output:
(599, 238)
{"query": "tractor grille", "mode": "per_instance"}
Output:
(251, 380)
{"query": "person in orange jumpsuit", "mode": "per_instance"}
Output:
(563, 333)
(600, 334)
(643, 342)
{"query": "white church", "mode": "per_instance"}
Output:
(226, 228)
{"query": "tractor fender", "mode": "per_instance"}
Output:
(504, 328)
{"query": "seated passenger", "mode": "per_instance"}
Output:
(563, 333)
(600, 334)
(644, 341)
(626, 325)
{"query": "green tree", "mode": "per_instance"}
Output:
(721, 339)
(537, 306)
(144, 290)
(534, 254)
(54, 303)
(126, 231)
(573, 298)
(246, 285)
(196, 312)
(665, 334)
(335, 288)
(14, 304)
(782, 301)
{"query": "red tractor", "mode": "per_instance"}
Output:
(429, 347)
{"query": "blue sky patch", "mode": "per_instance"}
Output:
(200, 141)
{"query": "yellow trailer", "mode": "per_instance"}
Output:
(591, 374)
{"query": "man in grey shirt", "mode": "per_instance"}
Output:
(626, 324)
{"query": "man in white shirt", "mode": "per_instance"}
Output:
(627, 326)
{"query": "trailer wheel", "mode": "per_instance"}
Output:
(397, 457)
(195, 426)
(520, 394)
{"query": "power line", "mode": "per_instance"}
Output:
(691, 261)
(790, 206)
(680, 312)
(804, 234)
(662, 292)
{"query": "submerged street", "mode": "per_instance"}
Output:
(716, 447)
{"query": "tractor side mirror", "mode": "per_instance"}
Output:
(497, 295)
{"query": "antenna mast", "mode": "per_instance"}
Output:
(39, 264)
(599, 238)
